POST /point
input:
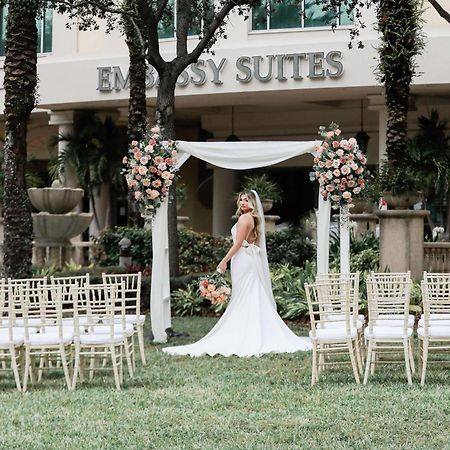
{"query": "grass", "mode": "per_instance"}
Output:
(228, 403)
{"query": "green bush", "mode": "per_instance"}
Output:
(199, 252)
(288, 286)
(186, 302)
(289, 246)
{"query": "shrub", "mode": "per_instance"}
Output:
(199, 252)
(289, 246)
(186, 302)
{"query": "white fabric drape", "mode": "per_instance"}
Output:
(323, 235)
(229, 155)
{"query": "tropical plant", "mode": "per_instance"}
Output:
(186, 302)
(289, 246)
(94, 152)
(263, 185)
(181, 192)
(399, 177)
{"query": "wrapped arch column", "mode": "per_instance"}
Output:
(228, 155)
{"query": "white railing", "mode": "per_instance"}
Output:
(437, 257)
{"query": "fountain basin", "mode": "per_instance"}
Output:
(55, 200)
(59, 228)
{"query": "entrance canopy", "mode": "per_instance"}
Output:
(228, 155)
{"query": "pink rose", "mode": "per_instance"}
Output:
(159, 159)
(335, 144)
(157, 183)
(330, 134)
(352, 141)
(146, 182)
(167, 183)
(152, 193)
(325, 145)
(162, 166)
(350, 183)
(337, 132)
(328, 163)
(144, 160)
(335, 198)
(142, 170)
(345, 170)
(324, 193)
(165, 175)
(340, 152)
(346, 195)
(137, 195)
(155, 129)
(134, 143)
(336, 172)
(336, 163)
(153, 169)
(330, 188)
(124, 160)
(357, 190)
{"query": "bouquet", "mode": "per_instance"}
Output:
(150, 170)
(214, 288)
(339, 167)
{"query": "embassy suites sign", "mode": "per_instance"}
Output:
(295, 66)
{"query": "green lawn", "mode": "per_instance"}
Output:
(228, 403)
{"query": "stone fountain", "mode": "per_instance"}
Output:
(55, 224)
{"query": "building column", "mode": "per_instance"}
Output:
(64, 121)
(378, 103)
(224, 203)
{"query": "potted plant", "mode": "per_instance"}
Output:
(269, 192)
(400, 184)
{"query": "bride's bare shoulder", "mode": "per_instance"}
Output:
(246, 219)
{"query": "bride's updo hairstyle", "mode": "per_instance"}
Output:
(253, 211)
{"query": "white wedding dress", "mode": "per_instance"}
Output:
(250, 326)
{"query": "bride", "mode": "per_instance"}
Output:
(250, 325)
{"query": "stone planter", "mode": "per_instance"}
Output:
(267, 204)
(362, 205)
(55, 200)
(402, 201)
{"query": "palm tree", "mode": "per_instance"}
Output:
(20, 85)
(400, 25)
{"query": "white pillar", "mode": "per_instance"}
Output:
(102, 201)
(224, 204)
(344, 238)
(323, 235)
(378, 103)
(64, 121)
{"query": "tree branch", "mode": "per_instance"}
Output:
(160, 10)
(80, 4)
(441, 11)
(184, 14)
(208, 34)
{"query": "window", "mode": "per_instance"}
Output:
(44, 29)
(276, 15)
(166, 27)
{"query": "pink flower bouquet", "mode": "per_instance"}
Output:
(150, 170)
(214, 288)
(339, 167)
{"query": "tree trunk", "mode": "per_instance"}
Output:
(397, 100)
(165, 117)
(20, 84)
(137, 106)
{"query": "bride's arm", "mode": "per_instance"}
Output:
(244, 226)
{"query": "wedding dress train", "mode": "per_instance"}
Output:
(250, 326)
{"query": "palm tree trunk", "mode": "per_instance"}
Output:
(20, 84)
(165, 117)
(137, 106)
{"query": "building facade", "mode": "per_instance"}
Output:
(276, 77)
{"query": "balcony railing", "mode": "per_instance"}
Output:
(437, 257)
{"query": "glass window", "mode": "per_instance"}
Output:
(285, 14)
(3, 14)
(44, 30)
(166, 27)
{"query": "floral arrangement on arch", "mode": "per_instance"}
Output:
(150, 170)
(339, 167)
(214, 288)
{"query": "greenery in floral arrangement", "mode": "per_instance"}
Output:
(289, 246)
(150, 169)
(339, 167)
(264, 186)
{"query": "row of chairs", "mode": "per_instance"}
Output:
(68, 321)
(337, 327)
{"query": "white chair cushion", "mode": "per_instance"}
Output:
(101, 339)
(435, 331)
(132, 318)
(82, 320)
(43, 339)
(17, 331)
(34, 321)
(440, 319)
(333, 334)
(386, 332)
(390, 320)
(105, 329)
(359, 325)
(67, 329)
(5, 342)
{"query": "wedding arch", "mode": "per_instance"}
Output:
(236, 156)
